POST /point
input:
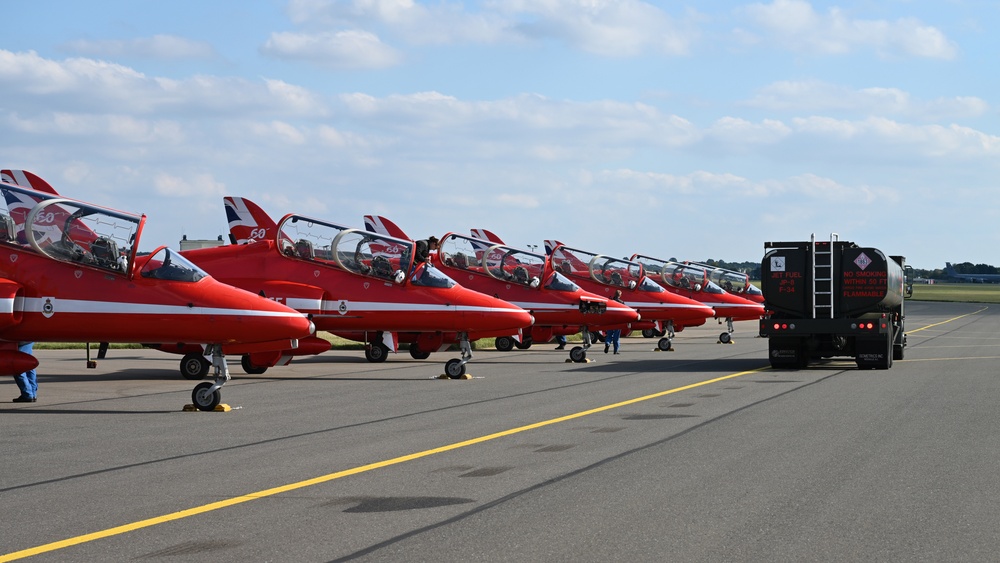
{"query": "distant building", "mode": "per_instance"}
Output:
(203, 243)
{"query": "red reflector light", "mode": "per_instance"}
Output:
(777, 326)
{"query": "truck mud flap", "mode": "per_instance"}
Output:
(874, 353)
(787, 354)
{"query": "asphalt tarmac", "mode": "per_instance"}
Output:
(700, 454)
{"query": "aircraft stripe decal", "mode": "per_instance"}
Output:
(37, 305)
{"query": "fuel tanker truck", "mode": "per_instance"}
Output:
(832, 298)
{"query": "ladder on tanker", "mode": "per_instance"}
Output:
(822, 276)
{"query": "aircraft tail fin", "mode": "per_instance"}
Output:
(20, 204)
(27, 179)
(551, 245)
(484, 234)
(247, 221)
(383, 226)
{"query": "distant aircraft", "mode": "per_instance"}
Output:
(71, 271)
(974, 278)
(526, 279)
(661, 310)
(694, 281)
(354, 283)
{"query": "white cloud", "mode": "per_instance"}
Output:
(339, 50)
(612, 28)
(198, 186)
(794, 24)
(165, 47)
(814, 96)
(96, 86)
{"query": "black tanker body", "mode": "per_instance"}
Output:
(832, 298)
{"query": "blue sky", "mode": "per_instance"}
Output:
(696, 131)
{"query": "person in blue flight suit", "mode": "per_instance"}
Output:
(612, 337)
(27, 382)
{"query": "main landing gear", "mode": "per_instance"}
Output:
(455, 368)
(206, 396)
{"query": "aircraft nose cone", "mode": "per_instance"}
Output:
(278, 322)
(617, 313)
(506, 316)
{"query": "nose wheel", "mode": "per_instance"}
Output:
(727, 337)
(455, 368)
(206, 396)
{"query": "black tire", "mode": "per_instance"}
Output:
(249, 367)
(664, 344)
(203, 400)
(504, 343)
(648, 333)
(523, 344)
(418, 354)
(376, 353)
(454, 368)
(194, 366)
(725, 338)
(578, 354)
(898, 351)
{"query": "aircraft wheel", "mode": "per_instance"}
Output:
(194, 366)
(504, 343)
(417, 353)
(249, 367)
(376, 353)
(524, 344)
(204, 400)
(648, 333)
(725, 338)
(578, 354)
(664, 344)
(454, 368)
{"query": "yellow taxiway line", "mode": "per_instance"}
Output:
(118, 530)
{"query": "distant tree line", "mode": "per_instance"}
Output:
(753, 269)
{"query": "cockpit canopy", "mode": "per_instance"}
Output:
(495, 260)
(616, 272)
(690, 277)
(355, 250)
(731, 281)
(69, 230)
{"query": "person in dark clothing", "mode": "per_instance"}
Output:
(424, 248)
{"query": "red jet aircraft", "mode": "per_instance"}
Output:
(352, 282)
(603, 275)
(525, 279)
(70, 271)
(693, 281)
(737, 283)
